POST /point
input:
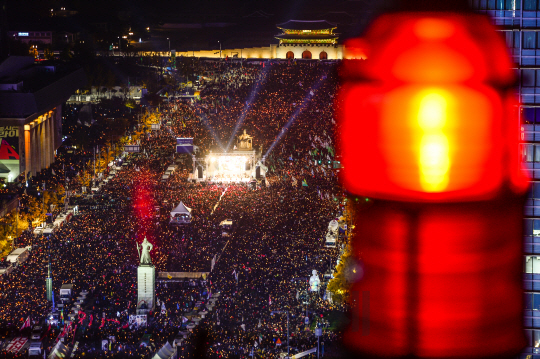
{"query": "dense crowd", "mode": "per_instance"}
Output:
(262, 267)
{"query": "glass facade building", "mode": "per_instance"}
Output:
(519, 21)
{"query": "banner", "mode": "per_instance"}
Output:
(184, 141)
(16, 344)
(9, 148)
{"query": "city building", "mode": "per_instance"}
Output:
(307, 40)
(31, 98)
(298, 40)
(34, 37)
(519, 22)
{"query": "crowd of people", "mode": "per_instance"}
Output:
(258, 274)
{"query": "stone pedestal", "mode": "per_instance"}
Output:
(146, 288)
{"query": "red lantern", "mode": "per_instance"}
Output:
(429, 131)
(426, 117)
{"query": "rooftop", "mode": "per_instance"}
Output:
(28, 88)
(307, 36)
(306, 25)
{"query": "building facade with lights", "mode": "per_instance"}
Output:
(308, 40)
(519, 22)
(31, 98)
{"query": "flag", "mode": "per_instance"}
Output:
(269, 300)
(52, 171)
(63, 331)
(260, 338)
(26, 323)
(297, 294)
(304, 183)
(259, 325)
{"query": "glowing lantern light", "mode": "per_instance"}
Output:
(423, 115)
(429, 132)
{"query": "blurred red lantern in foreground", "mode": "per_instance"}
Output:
(430, 129)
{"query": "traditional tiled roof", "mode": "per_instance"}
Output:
(306, 25)
(307, 36)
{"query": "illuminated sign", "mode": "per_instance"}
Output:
(184, 141)
(23, 34)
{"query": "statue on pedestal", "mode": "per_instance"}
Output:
(245, 141)
(314, 281)
(144, 252)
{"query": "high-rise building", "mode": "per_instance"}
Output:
(519, 22)
(31, 98)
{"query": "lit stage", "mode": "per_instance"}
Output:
(243, 164)
(230, 167)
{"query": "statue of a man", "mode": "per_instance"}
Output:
(144, 252)
(314, 281)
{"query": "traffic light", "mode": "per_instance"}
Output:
(430, 132)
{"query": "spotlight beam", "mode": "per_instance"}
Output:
(298, 110)
(211, 129)
(250, 100)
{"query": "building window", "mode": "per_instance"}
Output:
(527, 153)
(532, 265)
(289, 55)
(527, 78)
(535, 193)
(513, 4)
(529, 40)
(532, 302)
(323, 55)
(529, 4)
(306, 54)
(530, 115)
(531, 153)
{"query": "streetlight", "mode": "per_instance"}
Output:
(219, 49)
(169, 45)
(281, 312)
(119, 45)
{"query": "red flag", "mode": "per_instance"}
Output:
(26, 323)
(269, 300)
(63, 331)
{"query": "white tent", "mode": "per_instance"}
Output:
(166, 352)
(181, 214)
(60, 351)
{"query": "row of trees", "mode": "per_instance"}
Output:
(32, 210)
(349, 270)
(114, 147)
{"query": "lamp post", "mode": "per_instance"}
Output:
(169, 46)
(282, 312)
(219, 49)
(119, 45)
